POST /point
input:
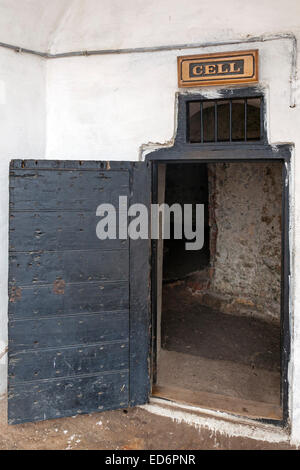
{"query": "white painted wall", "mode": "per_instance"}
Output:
(106, 107)
(22, 135)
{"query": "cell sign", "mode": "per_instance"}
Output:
(218, 69)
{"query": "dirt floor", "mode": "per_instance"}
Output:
(191, 328)
(209, 351)
(132, 429)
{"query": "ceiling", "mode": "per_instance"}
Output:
(72, 25)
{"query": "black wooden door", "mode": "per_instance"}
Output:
(78, 306)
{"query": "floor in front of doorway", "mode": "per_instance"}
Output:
(207, 354)
(133, 429)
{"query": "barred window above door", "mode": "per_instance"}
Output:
(224, 120)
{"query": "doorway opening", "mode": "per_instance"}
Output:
(219, 337)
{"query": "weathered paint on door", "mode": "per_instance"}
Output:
(78, 306)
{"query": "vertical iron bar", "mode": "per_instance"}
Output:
(201, 114)
(216, 121)
(262, 126)
(188, 118)
(245, 130)
(230, 120)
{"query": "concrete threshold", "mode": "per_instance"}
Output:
(217, 421)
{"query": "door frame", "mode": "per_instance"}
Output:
(184, 152)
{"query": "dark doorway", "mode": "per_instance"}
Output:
(185, 184)
(219, 334)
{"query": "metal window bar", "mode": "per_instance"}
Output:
(230, 120)
(201, 114)
(246, 123)
(216, 121)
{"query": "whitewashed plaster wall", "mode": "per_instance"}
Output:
(108, 106)
(22, 135)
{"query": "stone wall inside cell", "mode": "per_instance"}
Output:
(245, 220)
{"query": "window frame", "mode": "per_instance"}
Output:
(222, 94)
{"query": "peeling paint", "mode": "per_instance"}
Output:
(3, 353)
(15, 295)
(59, 287)
(220, 424)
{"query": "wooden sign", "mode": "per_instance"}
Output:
(218, 69)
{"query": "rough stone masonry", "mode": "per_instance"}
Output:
(245, 240)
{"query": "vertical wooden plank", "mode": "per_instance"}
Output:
(285, 291)
(139, 324)
(160, 249)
